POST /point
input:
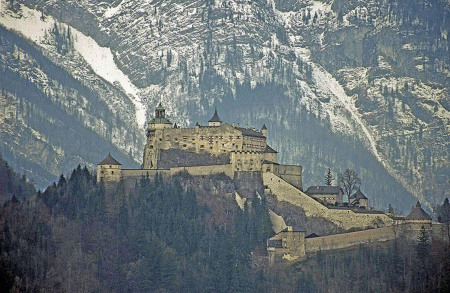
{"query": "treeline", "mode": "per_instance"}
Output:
(77, 235)
(156, 236)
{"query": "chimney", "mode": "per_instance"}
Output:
(238, 125)
(246, 126)
(233, 124)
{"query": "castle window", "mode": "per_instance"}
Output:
(231, 137)
(202, 147)
(112, 172)
(210, 147)
(221, 137)
(184, 145)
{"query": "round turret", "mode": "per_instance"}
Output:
(160, 121)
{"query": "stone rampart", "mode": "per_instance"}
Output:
(205, 170)
(194, 170)
(291, 174)
(345, 219)
(344, 240)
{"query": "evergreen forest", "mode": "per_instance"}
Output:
(156, 236)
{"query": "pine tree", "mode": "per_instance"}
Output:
(329, 178)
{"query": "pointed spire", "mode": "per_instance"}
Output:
(264, 127)
(215, 117)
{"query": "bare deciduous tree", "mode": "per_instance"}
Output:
(349, 181)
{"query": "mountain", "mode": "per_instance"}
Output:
(339, 84)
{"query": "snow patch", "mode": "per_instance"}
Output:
(34, 27)
(113, 11)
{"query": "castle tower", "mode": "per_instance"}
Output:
(159, 121)
(270, 155)
(215, 120)
(264, 130)
(109, 170)
(416, 220)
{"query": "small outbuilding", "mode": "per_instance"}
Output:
(327, 194)
(358, 199)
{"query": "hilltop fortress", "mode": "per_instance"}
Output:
(202, 150)
(243, 152)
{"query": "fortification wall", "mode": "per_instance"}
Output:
(205, 170)
(127, 173)
(246, 161)
(194, 171)
(345, 219)
(291, 174)
(344, 240)
(180, 158)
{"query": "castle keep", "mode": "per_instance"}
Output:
(203, 150)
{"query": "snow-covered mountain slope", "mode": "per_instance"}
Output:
(358, 84)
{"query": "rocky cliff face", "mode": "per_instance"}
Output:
(358, 84)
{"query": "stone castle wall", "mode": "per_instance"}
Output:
(193, 170)
(178, 158)
(246, 160)
(208, 140)
(346, 219)
(344, 240)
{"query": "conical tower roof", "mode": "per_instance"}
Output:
(417, 213)
(215, 117)
(109, 160)
(268, 149)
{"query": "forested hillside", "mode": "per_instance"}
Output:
(340, 84)
(157, 236)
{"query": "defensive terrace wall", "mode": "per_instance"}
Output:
(344, 240)
(346, 219)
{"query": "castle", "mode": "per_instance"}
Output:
(202, 150)
(232, 150)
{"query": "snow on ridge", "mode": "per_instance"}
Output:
(113, 11)
(330, 86)
(100, 59)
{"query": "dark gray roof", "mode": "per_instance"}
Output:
(268, 149)
(264, 127)
(312, 235)
(109, 160)
(323, 190)
(250, 132)
(417, 213)
(215, 117)
(358, 195)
